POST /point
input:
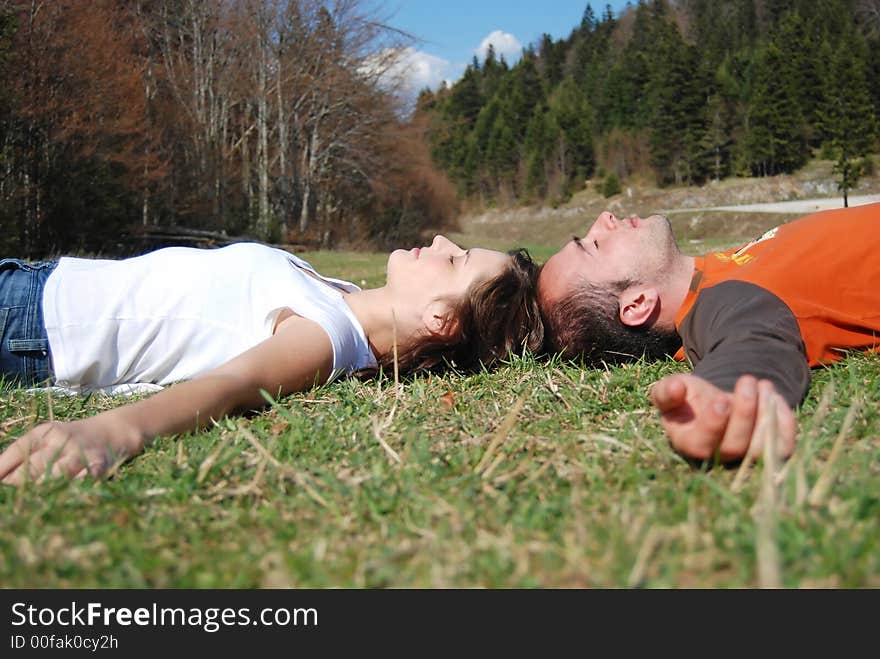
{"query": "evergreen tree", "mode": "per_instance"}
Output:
(451, 141)
(502, 156)
(716, 141)
(625, 97)
(521, 93)
(571, 114)
(801, 65)
(677, 96)
(540, 134)
(485, 122)
(721, 28)
(588, 21)
(774, 142)
(492, 73)
(848, 118)
(486, 175)
(466, 99)
(551, 57)
(740, 90)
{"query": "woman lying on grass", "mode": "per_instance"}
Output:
(226, 324)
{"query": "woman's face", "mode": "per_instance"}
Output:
(441, 272)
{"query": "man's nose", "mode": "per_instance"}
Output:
(606, 221)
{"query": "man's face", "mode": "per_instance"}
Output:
(612, 250)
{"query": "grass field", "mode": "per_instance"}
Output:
(535, 475)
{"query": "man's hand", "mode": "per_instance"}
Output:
(60, 449)
(699, 418)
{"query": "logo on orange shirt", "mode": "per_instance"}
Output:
(766, 236)
(735, 258)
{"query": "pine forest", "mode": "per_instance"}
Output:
(278, 120)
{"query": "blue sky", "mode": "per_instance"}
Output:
(452, 31)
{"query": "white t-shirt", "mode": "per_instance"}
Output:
(177, 312)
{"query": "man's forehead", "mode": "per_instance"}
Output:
(557, 277)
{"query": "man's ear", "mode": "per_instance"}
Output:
(639, 305)
(436, 319)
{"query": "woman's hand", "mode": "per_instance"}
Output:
(70, 449)
(295, 358)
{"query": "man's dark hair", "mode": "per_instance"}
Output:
(586, 324)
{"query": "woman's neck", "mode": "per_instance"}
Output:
(373, 309)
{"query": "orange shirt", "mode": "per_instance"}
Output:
(825, 267)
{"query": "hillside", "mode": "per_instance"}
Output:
(681, 93)
(543, 228)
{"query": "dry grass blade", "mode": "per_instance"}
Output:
(802, 453)
(554, 389)
(180, 460)
(654, 539)
(769, 565)
(49, 403)
(297, 477)
(822, 487)
(492, 467)
(616, 443)
(519, 470)
(379, 428)
(500, 434)
(24, 421)
(211, 460)
(537, 474)
(742, 473)
(394, 346)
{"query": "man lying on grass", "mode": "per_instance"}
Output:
(750, 321)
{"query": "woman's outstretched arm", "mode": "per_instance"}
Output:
(296, 357)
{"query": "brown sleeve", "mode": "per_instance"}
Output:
(736, 328)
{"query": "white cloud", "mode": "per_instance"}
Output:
(424, 70)
(505, 44)
(413, 70)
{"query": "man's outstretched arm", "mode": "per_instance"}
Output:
(747, 352)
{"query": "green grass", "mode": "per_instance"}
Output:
(444, 484)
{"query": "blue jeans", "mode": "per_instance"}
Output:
(24, 344)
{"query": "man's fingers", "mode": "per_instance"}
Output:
(668, 393)
(711, 422)
(743, 415)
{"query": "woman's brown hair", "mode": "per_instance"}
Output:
(494, 319)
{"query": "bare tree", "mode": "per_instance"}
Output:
(868, 12)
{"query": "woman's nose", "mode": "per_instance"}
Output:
(443, 243)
